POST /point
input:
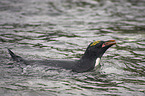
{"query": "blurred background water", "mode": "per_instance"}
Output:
(62, 29)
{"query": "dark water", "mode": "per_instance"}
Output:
(41, 29)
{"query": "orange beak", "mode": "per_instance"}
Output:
(109, 42)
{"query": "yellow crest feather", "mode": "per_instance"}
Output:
(95, 42)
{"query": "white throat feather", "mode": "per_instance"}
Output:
(97, 62)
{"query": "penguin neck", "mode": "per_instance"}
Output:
(89, 58)
(96, 61)
(86, 63)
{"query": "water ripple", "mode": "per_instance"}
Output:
(38, 29)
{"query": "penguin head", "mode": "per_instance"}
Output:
(97, 48)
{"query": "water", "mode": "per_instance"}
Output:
(62, 29)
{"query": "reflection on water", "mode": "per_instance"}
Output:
(37, 29)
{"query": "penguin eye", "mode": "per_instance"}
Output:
(95, 43)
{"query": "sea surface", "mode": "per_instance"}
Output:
(62, 29)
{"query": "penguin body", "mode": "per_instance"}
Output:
(87, 62)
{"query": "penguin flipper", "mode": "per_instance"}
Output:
(15, 57)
